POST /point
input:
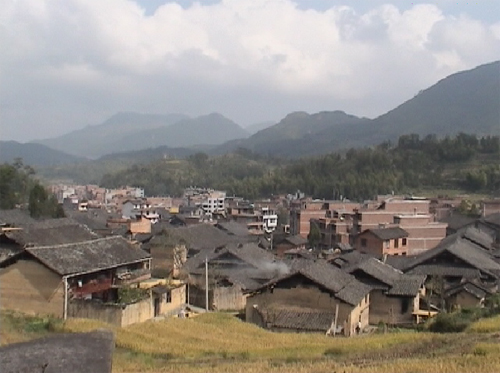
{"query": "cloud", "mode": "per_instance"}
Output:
(67, 63)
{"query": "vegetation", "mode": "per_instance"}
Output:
(19, 188)
(464, 162)
(222, 343)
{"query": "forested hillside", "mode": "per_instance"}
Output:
(463, 162)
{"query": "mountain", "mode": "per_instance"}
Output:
(105, 138)
(295, 135)
(256, 127)
(212, 129)
(36, 155)
(466, 102)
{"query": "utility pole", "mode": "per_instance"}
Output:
(206, 284)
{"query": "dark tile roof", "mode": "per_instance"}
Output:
(407, 285)
(478, 291)
(88, 256)
(492, 219)
(296, 240)
(95, 219)
(72, 352)
(297, 319)
(399, 261)
(349, 258)
(477, 236)
(196, 237)
(343, 285)
(389, 233)
(15, 218)
(466, 245)
(52, 232)
(250, 254)
(233, 228)
(378, 270)
(457, 221)
(449, 270)
(396, 281)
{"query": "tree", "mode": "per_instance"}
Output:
(37, 201)
(314, 236)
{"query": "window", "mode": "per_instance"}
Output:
(404, 241)
(167, 297)
(405, 304)
(363, 242)
(396, 243)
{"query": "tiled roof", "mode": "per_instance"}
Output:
(444, 270)
(461, 246)
(65, 352)
(478, 291)
(234, 228)
(350, 258)
(196, 237)
(296, 240)
(52, 232)
(343, 285)
(378, 270)
(397, 283)
(15, 218)
(389, 233)
(407, 285)
(88, 256)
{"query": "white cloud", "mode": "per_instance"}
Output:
(249, 59)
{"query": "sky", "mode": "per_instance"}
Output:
(66, 64)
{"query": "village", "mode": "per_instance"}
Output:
(289, 263)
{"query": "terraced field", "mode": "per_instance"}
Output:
(222, 343)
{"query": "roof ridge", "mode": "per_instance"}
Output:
(74, 243)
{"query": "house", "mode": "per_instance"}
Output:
(395, 296)
(467, 294)
(464, 256)
(383, 241)
(313, 296)
(45, 279)
(170, 247)
(232, 271)
(65, 352)
(41, 233)
(287, 243)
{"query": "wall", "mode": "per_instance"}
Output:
(30, 287)
(463, 299)
(112, 313)
(309, 297)
(87, 309)
(178, 299)
(229, 298)
(389, 309)
(220, 298)
(137, 312)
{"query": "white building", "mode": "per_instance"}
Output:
(269, 219)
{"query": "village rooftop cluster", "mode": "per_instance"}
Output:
(287, 263)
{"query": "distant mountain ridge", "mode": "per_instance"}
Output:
(35, 154)
(467, 102)
(133, 131)
(95, 141)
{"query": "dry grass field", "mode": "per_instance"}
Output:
(222, 343)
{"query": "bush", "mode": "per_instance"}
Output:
(449, 323)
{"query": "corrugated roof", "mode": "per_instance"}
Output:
(88, 256)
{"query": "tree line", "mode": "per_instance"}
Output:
(20, 189)
(463, 162)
